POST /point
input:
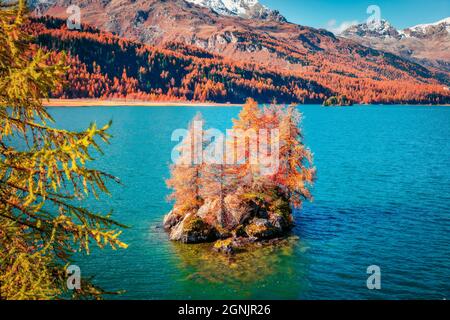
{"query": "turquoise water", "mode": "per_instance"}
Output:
(382, 198)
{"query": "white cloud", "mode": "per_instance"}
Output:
(338, 29)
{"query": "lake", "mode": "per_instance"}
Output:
(382, 198)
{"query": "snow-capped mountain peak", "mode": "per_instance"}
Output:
(423, 27)
(242, 8)
(383, 29)
(439, 28)
(378, 29)
(216, 5)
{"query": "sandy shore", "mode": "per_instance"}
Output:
(133, 103)
(138, 103)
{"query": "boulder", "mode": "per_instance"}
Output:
(262, 213)
(223, 233)
(239, 232)
(227, 216)
(171, 220)
(208, 208)
(233, 221)
(280, 214)
(193, 229)
(224, 246)
(237, 212)
(262, 229)
(280, 223)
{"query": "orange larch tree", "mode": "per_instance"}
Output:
(186, 173)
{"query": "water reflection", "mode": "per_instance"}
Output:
(281, 268)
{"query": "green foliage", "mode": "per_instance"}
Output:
(43, 173)
(332, 101)
(337, 101)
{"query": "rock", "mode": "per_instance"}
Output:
(224, 246)
(235, 218)
(232, 246)
(171, 220)
(280, 223)
(261, 222)
(193, 229)
(237, 212)
(223, 233)
(239, 232)
(213, 213)
(228, 216)
(262, 213)
(208, 209)
(262, 229)
(281, 215)
(240, 243)
(176, 232)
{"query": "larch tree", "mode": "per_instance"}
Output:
(296, 172)
(186, 173)
(245, 146)
(44, 171)
(249, 116)
(217, 184)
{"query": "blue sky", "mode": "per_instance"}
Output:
(322, 13)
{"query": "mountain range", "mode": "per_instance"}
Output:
(427, 44)
(248, 34)
(383, 29)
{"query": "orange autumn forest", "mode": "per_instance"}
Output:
(224, 149)
(124, 68)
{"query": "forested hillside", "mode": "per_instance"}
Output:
(104, 65)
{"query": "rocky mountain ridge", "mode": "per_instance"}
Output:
(427, 44)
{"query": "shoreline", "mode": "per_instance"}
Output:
(74, 103)
(129, 103)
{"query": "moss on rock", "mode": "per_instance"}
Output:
(262, 229)
(193, 229)
(224, 246)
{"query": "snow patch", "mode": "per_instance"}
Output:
(230, 7)
(423, 27)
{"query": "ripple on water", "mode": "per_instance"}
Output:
(382, 197)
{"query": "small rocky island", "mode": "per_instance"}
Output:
(247, 202)
(341, 101)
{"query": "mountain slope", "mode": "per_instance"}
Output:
(338, 64)
(106, 66)
(427, 44)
